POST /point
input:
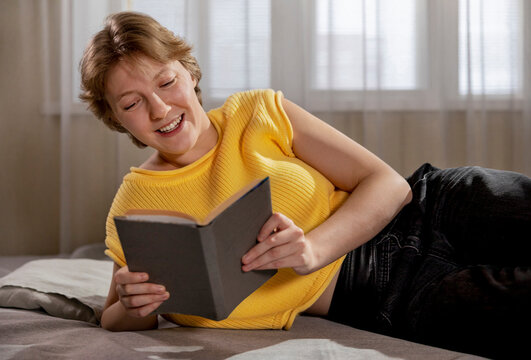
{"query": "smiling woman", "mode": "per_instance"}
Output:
(351, 239)
(121, 44)
(151, 92)
(159, 107)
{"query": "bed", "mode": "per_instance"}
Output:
(50, 306)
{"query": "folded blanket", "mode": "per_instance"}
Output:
(66, 288)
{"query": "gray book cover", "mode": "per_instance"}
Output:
(200, 264)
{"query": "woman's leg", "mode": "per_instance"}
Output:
(484, 214)
(479, 309)
(479, 223)
(420, 285)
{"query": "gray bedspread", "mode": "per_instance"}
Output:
(36, 335)
(66, 296)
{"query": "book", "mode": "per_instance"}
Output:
(199, 262)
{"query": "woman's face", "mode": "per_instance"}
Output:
(158, 105)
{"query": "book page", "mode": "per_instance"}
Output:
(166, 216)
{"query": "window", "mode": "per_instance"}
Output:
(172, 14)
(390, 50)
(490, 53)
(87, 19)
(366, 45)
(231, 39)
(240, 37)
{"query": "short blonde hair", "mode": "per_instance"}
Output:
(128, 35)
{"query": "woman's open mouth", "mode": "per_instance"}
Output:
(171, 127)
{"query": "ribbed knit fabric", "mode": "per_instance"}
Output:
(255, 138)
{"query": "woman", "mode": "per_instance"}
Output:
(346, 243)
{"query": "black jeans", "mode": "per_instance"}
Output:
(452, 269)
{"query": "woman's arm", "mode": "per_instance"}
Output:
(130, 301)
(377, 195)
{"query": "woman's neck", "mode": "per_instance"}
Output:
(164, 162)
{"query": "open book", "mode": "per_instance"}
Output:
(199, 262)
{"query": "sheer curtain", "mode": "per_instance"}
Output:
(414, 80)
(443, 81)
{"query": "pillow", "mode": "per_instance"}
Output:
(66, 288)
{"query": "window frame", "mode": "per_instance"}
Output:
(298, 18)
(433, 94)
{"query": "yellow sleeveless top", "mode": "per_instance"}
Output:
(255, 138)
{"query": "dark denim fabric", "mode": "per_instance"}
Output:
(453, 269)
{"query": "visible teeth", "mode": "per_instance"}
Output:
(171, 126)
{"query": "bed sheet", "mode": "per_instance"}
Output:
(36, 334)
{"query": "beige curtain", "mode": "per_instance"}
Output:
(60, 165)
(29, 144)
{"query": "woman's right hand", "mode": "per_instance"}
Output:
(138, 297)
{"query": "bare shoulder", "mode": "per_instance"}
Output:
(307, 128)
(341, 159)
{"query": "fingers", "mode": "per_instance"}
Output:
(268, 237)
(284, 246)
(138, 297)
(143, 311)
(275, 223)
(277, 246)
(124, 276)
(148, 301)
(128, 290)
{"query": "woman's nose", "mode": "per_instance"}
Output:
(158, 109)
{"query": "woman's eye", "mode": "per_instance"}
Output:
(129, 106)
(166, 84)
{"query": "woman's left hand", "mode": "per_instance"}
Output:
(281, 244)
